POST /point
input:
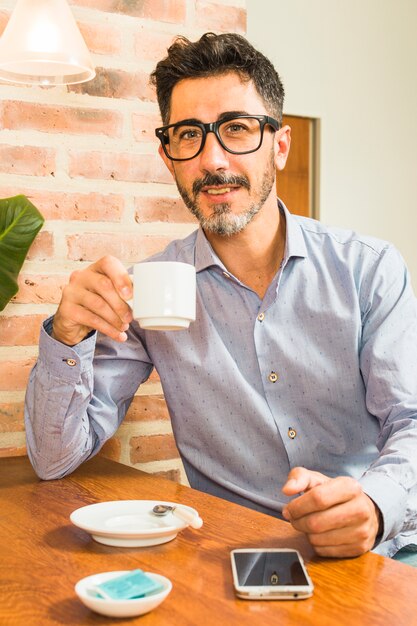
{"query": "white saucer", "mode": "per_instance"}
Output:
(120, 608)
(128, 523)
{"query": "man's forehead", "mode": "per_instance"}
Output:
(210, 98)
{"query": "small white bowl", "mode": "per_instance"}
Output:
(120, 608)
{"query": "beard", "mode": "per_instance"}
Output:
(223, 221)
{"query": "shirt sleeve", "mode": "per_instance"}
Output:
(77, 397)
(389, 368)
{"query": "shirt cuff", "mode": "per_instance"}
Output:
(390, 498)
(62, 361)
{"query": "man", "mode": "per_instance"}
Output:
(295, 390)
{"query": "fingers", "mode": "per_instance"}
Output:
(350, 539)
(96, 293)
(95, 299)
(301, 479)
(322, 495)
(338, 518)
(75, 319)
(114, 269)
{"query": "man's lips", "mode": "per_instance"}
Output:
(217, 191)
(217, 185)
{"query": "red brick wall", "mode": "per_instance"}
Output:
(87, 157)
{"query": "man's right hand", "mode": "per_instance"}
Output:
(95, 299)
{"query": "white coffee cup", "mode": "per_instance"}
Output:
(164, 295)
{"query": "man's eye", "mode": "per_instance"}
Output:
(236, 128)
(188, 134)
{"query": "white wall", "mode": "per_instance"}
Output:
(353, 64)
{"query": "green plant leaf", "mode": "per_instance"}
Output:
(20, 222)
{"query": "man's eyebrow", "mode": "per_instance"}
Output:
(225, 115)
(189, 120)
(230, 114)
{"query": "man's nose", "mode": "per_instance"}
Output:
(213, 155)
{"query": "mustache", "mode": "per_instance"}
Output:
(222, 180)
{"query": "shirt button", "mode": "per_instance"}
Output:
(261, 317)
(292, 433)
(273, 377)
(71, 362)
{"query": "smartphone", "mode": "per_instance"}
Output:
(270, 574)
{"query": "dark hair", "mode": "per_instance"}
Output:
(214, 55)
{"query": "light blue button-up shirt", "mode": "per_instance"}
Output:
(321, 373)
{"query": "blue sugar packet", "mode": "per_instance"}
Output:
(134, 584)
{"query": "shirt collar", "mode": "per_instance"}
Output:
(294, 246)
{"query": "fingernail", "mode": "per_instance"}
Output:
(291, 484)
(126, 292)
(285, 514)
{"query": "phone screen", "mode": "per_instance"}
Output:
(269, 569)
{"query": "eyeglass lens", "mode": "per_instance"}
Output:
(238, 135)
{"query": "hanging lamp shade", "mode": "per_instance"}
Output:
(41, 45)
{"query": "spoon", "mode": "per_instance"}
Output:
(193, 519)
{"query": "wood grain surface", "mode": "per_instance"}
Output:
(43, 555)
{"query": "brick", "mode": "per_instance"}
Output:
(173, 474)
(14, 375)
(58, 119)
(157, 209)
(150, 44)
(111, 83)
(112, 449)
(13, 451)
(128, 247)
(130, 167)
(20, 330)
(212, 16)
(102, 38)
(55, 205)
(37, 288)
(159, 10)
(42, 247)
(147, 408)
(27, 160)
(144, 127)
(152, 448)
(154, 377)
(87, 207)
(11, 417)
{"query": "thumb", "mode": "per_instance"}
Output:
(301, 479)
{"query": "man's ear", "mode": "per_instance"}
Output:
(282, 146)
(168, 162)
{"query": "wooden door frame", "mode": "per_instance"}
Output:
(298, 184)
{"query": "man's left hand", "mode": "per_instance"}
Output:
(339, 519)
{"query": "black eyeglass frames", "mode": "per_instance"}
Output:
(240, 134)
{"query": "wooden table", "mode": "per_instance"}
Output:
(43, 555)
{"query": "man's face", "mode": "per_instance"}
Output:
(223, 190)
